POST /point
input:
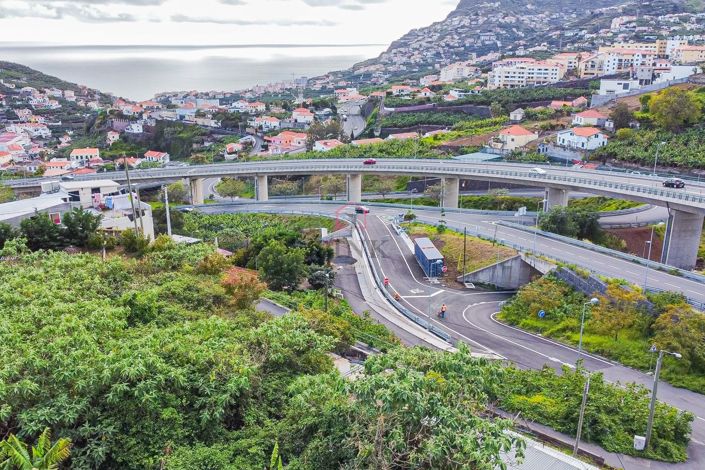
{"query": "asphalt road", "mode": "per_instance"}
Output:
(484, 224)
(470, 316)
(355, 123)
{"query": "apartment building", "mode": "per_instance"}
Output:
(514, 73)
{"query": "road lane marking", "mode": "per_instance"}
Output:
(546, 340)
(501, 337)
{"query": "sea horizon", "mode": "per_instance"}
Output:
(140, 71)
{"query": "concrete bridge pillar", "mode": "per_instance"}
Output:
(451, 192)
(196, 187)
(262, 188)
(355, 188)
(683, 233)
(555, 197)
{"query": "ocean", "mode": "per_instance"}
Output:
(138, 72)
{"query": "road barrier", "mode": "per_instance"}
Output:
(607, 251)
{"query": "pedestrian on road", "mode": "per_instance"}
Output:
(442, 313)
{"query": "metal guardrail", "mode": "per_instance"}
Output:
(552, 256)
(607, 251)
(520, 173)
(425, 324)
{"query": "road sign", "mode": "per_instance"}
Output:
(445, 269)
(542, 314)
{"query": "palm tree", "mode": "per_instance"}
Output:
(14, 454)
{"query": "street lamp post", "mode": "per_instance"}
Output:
(593, 301)
(652, 405)
(650, 243)
(586, 389)
(538, 213)
(658, 147)
(581, 417)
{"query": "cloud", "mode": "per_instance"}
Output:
(62, 10)
(241, 22)
(345, 4)
(102, 2)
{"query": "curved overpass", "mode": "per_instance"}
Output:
(686, 206)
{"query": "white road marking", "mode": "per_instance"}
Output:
(542, 338)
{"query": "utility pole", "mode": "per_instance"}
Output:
(129, 190)
(168, 213)
(582, 415)
(139, 214)
(652, 405)
(465, 251)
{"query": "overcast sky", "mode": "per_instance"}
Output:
(196, 22)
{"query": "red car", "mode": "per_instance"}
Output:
(369, 161)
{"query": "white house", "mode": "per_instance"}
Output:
(426, 93)
(111, 137)
(302, 115)
(134, 128)
(581, 138)
(153, 156)
(256, 107)
(326, 145)
(513, 137)
(617, 87)
(517, 115)
(589, 117)
(267, 123)
(84, 155)
(457, 71)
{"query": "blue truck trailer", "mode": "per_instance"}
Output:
(430, 259)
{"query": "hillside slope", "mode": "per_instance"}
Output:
(481, 27)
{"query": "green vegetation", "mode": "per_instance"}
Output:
(613, 414)
(403, 120)
(6, 194)
(362, 328)
(576, 222)
(39, 232)
(490, 202)
(134, 359)
(684, 150)
(284, 249)
(620, 327)
(672, 116)
(602, 204)
(508, 99)
(387, 149)
(26, 76)
(44, 456)
(160, 361)
(480, 253)
(176, 138)
(465, 129)
(233, 187)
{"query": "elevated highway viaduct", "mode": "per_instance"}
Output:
(686, 207)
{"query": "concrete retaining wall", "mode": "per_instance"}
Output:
(510, 274)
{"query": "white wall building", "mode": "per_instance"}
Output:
(525, 73)
(581, 138)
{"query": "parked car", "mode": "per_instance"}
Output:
(362, 210)
(674, 183)
(369, 161)
(538, 171)
(186, 209)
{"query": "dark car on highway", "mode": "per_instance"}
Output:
(674, 183)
